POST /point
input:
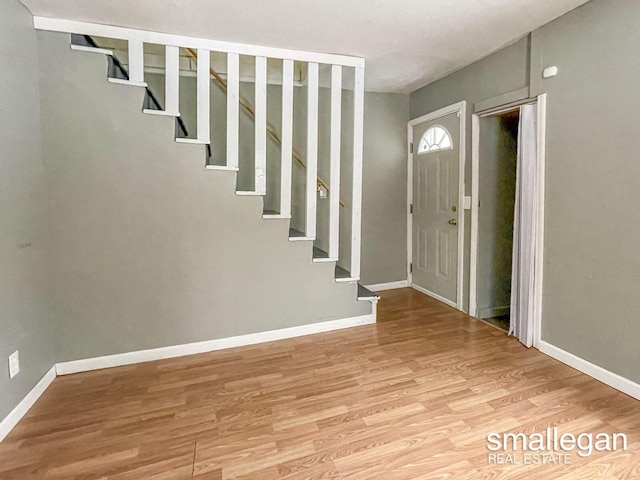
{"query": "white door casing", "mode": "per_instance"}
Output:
(538, 247)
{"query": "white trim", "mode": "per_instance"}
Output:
(373, 299)
(461, 195)
(461, 109)
(324, 260)
(347, 280)
(435, 296)
(271, 216)
(130, 358)
(605, 376)
(122, 81)
(539, 245)
(221, 167)
(409, 203)
(378, 287)
(475, 187)
(193, 141)
(162, 113)
(10, 421)
(82, 48)
(248, 193)
(110, 31)
(302, 239)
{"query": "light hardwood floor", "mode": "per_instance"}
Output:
(414, 396)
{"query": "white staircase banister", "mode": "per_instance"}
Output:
(123, 33)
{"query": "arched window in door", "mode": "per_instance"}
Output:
(434, 139)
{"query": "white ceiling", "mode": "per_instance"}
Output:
(406, 43)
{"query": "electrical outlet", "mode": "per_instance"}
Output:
(14, 364)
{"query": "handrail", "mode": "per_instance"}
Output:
(270, 128)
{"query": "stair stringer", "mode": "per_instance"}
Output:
(148, 248)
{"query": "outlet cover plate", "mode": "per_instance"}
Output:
(14, 364)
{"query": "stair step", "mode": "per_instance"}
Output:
(297, 235)
(193, 141)
(83, 48)
(150, 111)
(122, 81)
(365, 294)
(320, 256)
(249, 193)
(343, 275)
(221, 167)
(269, 214)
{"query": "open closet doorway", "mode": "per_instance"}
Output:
(507, 218)
(496, 208)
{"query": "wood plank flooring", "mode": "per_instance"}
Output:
(412, 397)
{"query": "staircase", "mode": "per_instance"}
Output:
(343, 73)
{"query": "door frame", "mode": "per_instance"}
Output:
(538, 241)
(461, 109)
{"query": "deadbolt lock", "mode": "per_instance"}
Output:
(453, 221)
(454, 209)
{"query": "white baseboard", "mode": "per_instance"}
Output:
(446, 301)
(10, 421)
(605, 376)
(492, 312)
(378, 287)
(129, 358)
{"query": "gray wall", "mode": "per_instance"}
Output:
(502, 72)
(497, 186)
(384, 176)
(25, 320)
(384, 196)
(592, 265)
(591, 279)
(149, 249)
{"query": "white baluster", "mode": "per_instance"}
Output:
(287, 138)
(334, 179)
(356, 212)
(136, 61)
(261, 126)
(172, 81)
(203, 91)
(312, 149)
(233, 108)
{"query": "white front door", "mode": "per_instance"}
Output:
(436, 211)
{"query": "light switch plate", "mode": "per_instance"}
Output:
(467, 203)
(14, 364)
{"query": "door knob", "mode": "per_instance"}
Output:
(453, 221)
